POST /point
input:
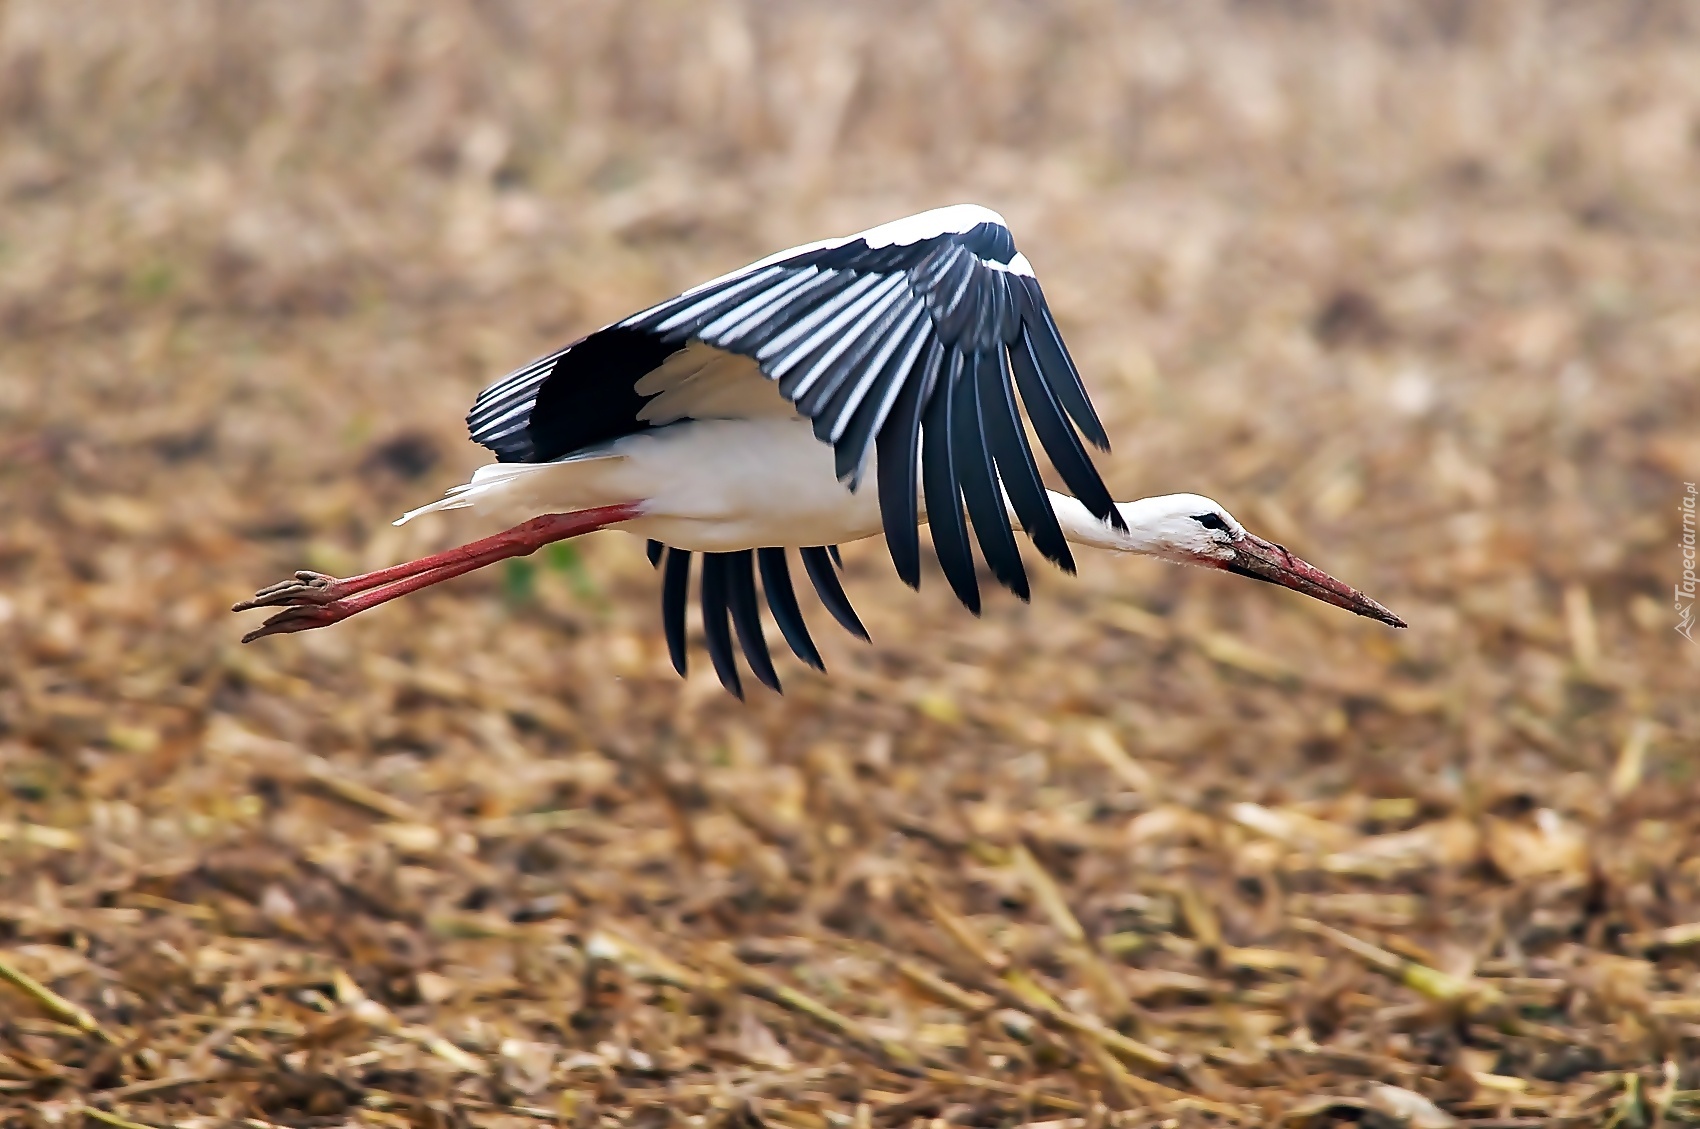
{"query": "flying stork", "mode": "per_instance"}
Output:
(744, 417)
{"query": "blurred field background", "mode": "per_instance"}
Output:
(1414, 288)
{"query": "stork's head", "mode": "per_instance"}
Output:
(1193, 529)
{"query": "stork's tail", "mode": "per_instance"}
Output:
(564, 484)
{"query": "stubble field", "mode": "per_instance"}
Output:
(1411, 288)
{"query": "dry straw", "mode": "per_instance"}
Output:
(1410, 287)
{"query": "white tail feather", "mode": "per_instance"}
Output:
(567, 484)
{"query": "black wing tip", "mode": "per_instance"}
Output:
(731, 593)
(978, 481)
(782, 602)
(716, 625)
(675, 596)
(957, 561)
(728, 673)
(767, 677)
(903, 546)
(1015, 582)
(817, 562)
(746, 617)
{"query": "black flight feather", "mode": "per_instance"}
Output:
(952, 290)
(1058, 437)
(716, 631)
(675, 592)
(786, 314)
(654, 549)
(1007, 442)
(818, 564)
(879, 393)
(1057, 365)
(1008, 318)
(980, 484)
(981, 329)
(782, 356)
(924, 276)
(746, 616)
(782, 602)
(899, 443)
(852, 362)
(743, 319)
(691, 312)
(939, 482)
(589, 397)
(955, 324)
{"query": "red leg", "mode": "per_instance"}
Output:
(315, 600)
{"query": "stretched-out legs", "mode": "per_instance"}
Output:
(313, 599)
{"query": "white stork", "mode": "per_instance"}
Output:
(740, 418)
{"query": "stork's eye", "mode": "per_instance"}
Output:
(1210, 521)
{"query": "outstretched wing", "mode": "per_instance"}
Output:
(729, 586)
(916, 340)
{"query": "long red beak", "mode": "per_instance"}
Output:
(1269, 562)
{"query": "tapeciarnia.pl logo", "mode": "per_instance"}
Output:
(1688, 588)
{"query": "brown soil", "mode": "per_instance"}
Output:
(1409, 287)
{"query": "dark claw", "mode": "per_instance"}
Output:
(301, 618)
(308, 588)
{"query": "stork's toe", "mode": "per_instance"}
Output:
(303, 617)
(307, 588)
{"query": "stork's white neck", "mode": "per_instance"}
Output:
(1152, 525)
(1080, 527)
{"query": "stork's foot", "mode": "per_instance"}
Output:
(303, 617)
(308, 588)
